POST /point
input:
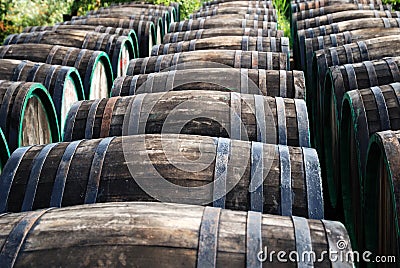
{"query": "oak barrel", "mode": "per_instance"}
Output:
(123, 168)
(287, 84)
(207, 33)
(307, 5)
(27, 114)
(118, 48)
(145, 30)
(189, 25)
(381, 194)
(89, 28)
(271, 12)
(132, 234)
(94, 66)
(4, 151)
(209, 59)
(339, 80)
(63, 83)
(245, 43)
(221, 3)
(364, 113)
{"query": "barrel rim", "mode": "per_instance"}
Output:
(4, 150)
(38, 91)
(103, 58)
(122, 42)
(133, 36)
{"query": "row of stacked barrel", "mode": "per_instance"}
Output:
(348, 52)
(56, 66)
(213, 117)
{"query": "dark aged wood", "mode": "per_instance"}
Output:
(381, 194)
(27, 114)
(217, 114)
(364, 113)
(339, 80)
(253, 4)
(209, 59)
(273, 83)
(94, 66)
(245, 43)
(89, 28)
(118, 48)
(298, 7)
(344, 16)
(196, 24)
(207, 33)
(99, 171)
(145, 30)
(271, 12)
(63, 83)
(140, 234)
(257, 17)
(4, 151)
(161, 26)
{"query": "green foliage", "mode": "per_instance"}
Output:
(395, 3)
(281, 7)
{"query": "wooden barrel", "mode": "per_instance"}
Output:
(115, 182)
(381, 194)
(245, 43)
(364, 113)
(222, 3)
(118, 48)
(287, 84)
(179, 235)
(89, 28)
(94, 66)
(339, 80)
(63, 83)
(234, 10)
(267, 18)
(307, 5)
(27, 114)
(196, 24)
(338, 27)
(161, 27)
(145, 30)
(207, 33)
(4, 151)
(218, 114)
(344, 16)
(209, 59)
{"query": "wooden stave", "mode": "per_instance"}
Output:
(209, 58)
(245, 43)
(217, 23)
(381, 173)
(15, 99)
(4, 151)
(334, 97)
(85, 60)
(113, 45)
(297, 7)
(123, 186)
(234, 229)
(235, 10)
(361, 118)
(53, 77)
(207, 33)
(294, 87)
(89, 28)
(254, 4)
(145, 30)
(286, 127)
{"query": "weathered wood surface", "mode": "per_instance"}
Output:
(245, 43)
(253, 4)
(63, 83)
(118, 48)
(364, 113)
(217, 114)
(189, 163)
(89, 28)
(27, 114)
(381, 194)
(209, 59)
(287, 84)
(234, 10)
(89, 63)
(207, 33)
(178, 235)
(196, 24)
(307, 5)
(4, 151)
(145, 30)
